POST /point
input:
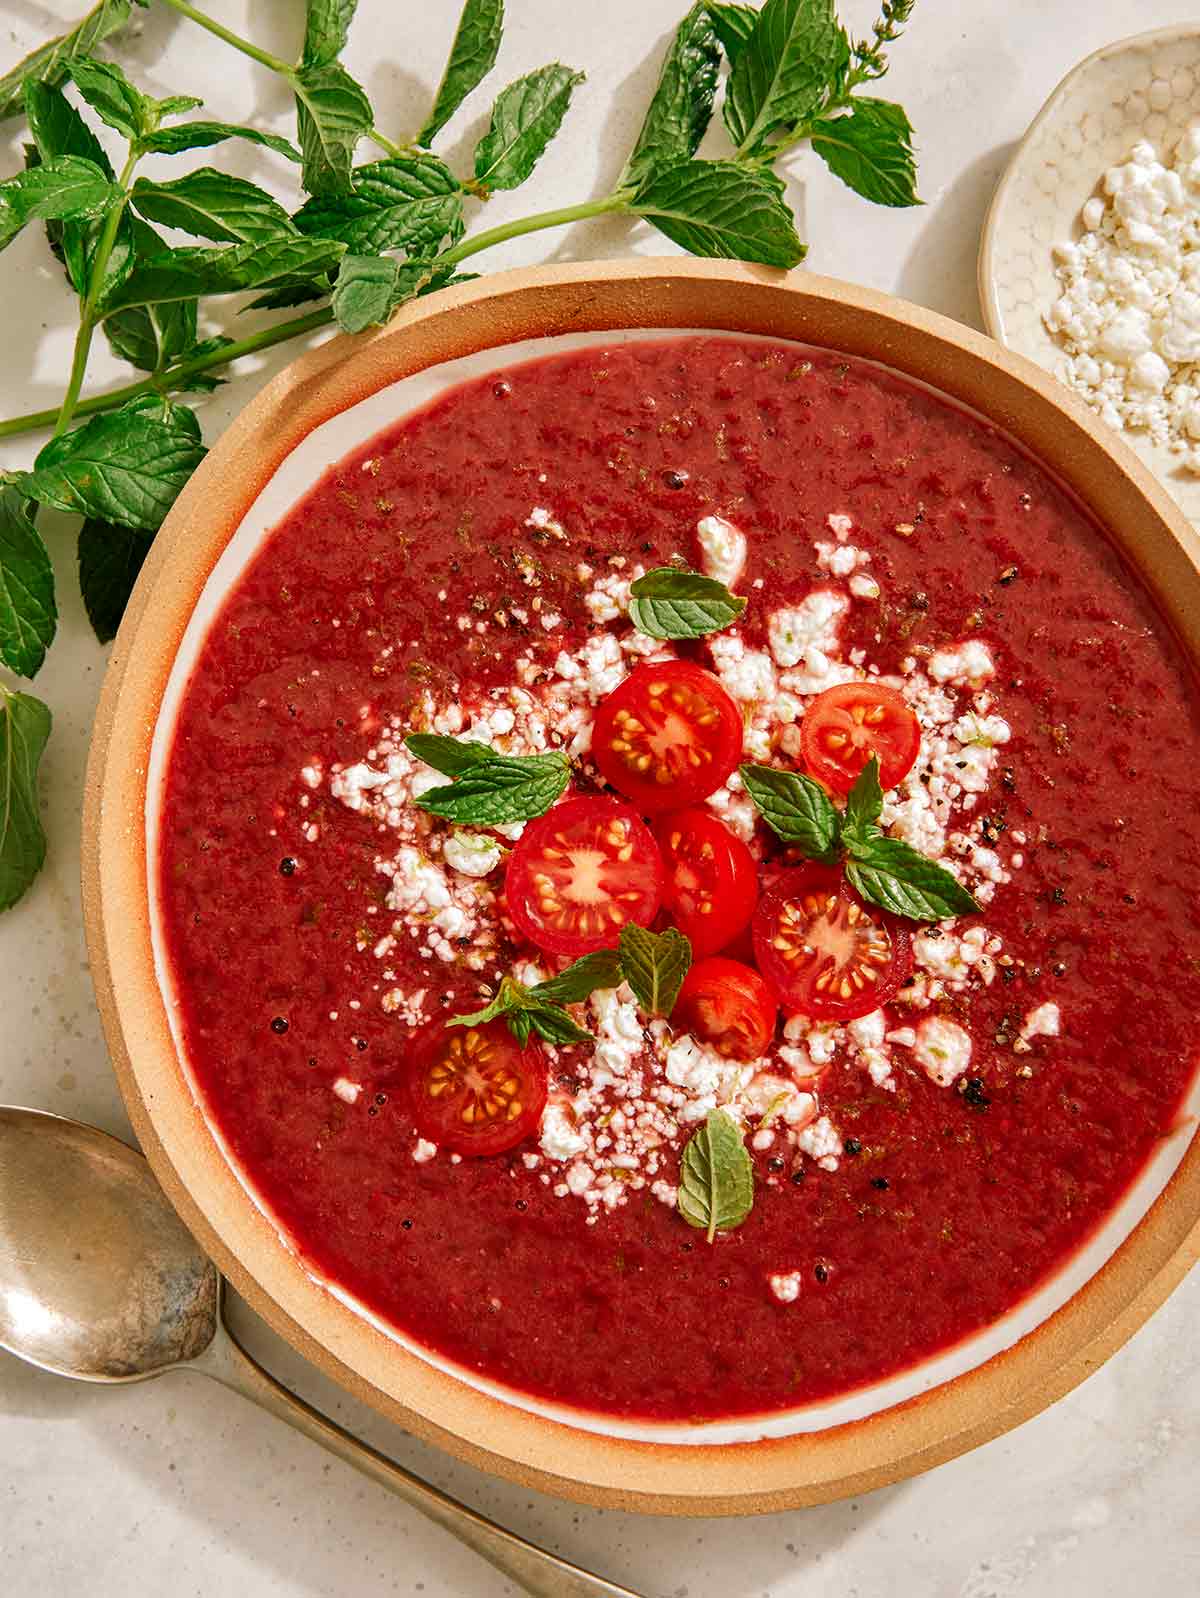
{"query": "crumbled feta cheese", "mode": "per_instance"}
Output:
(813, 624)
(839, 525)
(424, 1151)
(969, 662)
(942, 1049)
(864, 587)
(822, 1142)
(560, 1137)
(346, 1090)
(722, 549)
(785, 1286)
(472, 853)
(839, 560)
(1043, 1022)
(746, 674)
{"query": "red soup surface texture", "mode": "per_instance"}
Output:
(936, 1112)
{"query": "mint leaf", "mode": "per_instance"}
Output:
(797, 808)
(332, 114)
(682, 105)
(796, 53)
(669, 602)
(863, 806)
(502, 790)
(121, 467)
(654, 964)
(110, 558)
(58, 129)
(112, 97)
(326, 28)
(472, 57)
(895, 876)
(451, 756)
(601, 969)
(199, 135)
(212, 205)
(525, 1008)
(733, 25)
(716, 1177)
(408, 203)
(151, 336)
(27, 610)
(24, 729)
(187, 273)
(525, 118)
(66, 186)
(870, 149)
(717, 208)
(176, 104)
(49, 62)
(365, 291)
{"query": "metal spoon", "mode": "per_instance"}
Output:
(100, 1280)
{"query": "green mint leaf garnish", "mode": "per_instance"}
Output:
(795, 55)
(112, 97)
(870, 149)
(717, 208)
(797, 808)
(28, 614)
(524, 1008)
(864, 804)
(66, 187)
(671, 603)
(149, 336)
(211, 205)
(472, 57)
(186, 273)
(410, 203)
(733, 25)
(716, 1177)
(58, 128)
(199, 135)
(601, 969)
(451, 756)
(121, 467)
(895, 876)
(332, 114)
(525, 118)
(326, 29)
(365, 291)
(681, 109)
(24, 729)
(654, 964)
(501, 790)
(50, 62)
(110, 558)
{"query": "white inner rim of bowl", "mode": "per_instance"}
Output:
(325, 446)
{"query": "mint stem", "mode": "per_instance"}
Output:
(265, 59)
(87, 309)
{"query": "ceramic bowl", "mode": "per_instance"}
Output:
(331, 401)
(1147, 87)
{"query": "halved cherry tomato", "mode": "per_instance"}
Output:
(712, 881)
(475, 1090)
(580, 873)
(825, 952)
(667, 736)
(846, 725)
(728, 1006)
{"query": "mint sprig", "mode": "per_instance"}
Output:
(716, 1177)
(654, 964)
(526, 1010)
(670, 602)
(24, 729)
(886, 871)
(492, 791)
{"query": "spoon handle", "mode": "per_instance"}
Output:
(541, 1574)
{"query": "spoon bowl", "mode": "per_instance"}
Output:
(99, 1278)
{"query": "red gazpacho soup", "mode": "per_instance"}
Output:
(677, 866)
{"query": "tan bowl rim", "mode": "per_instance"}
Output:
(496, 1436)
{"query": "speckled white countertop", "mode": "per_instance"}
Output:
(178, 1486)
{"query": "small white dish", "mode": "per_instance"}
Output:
(1147, 87)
